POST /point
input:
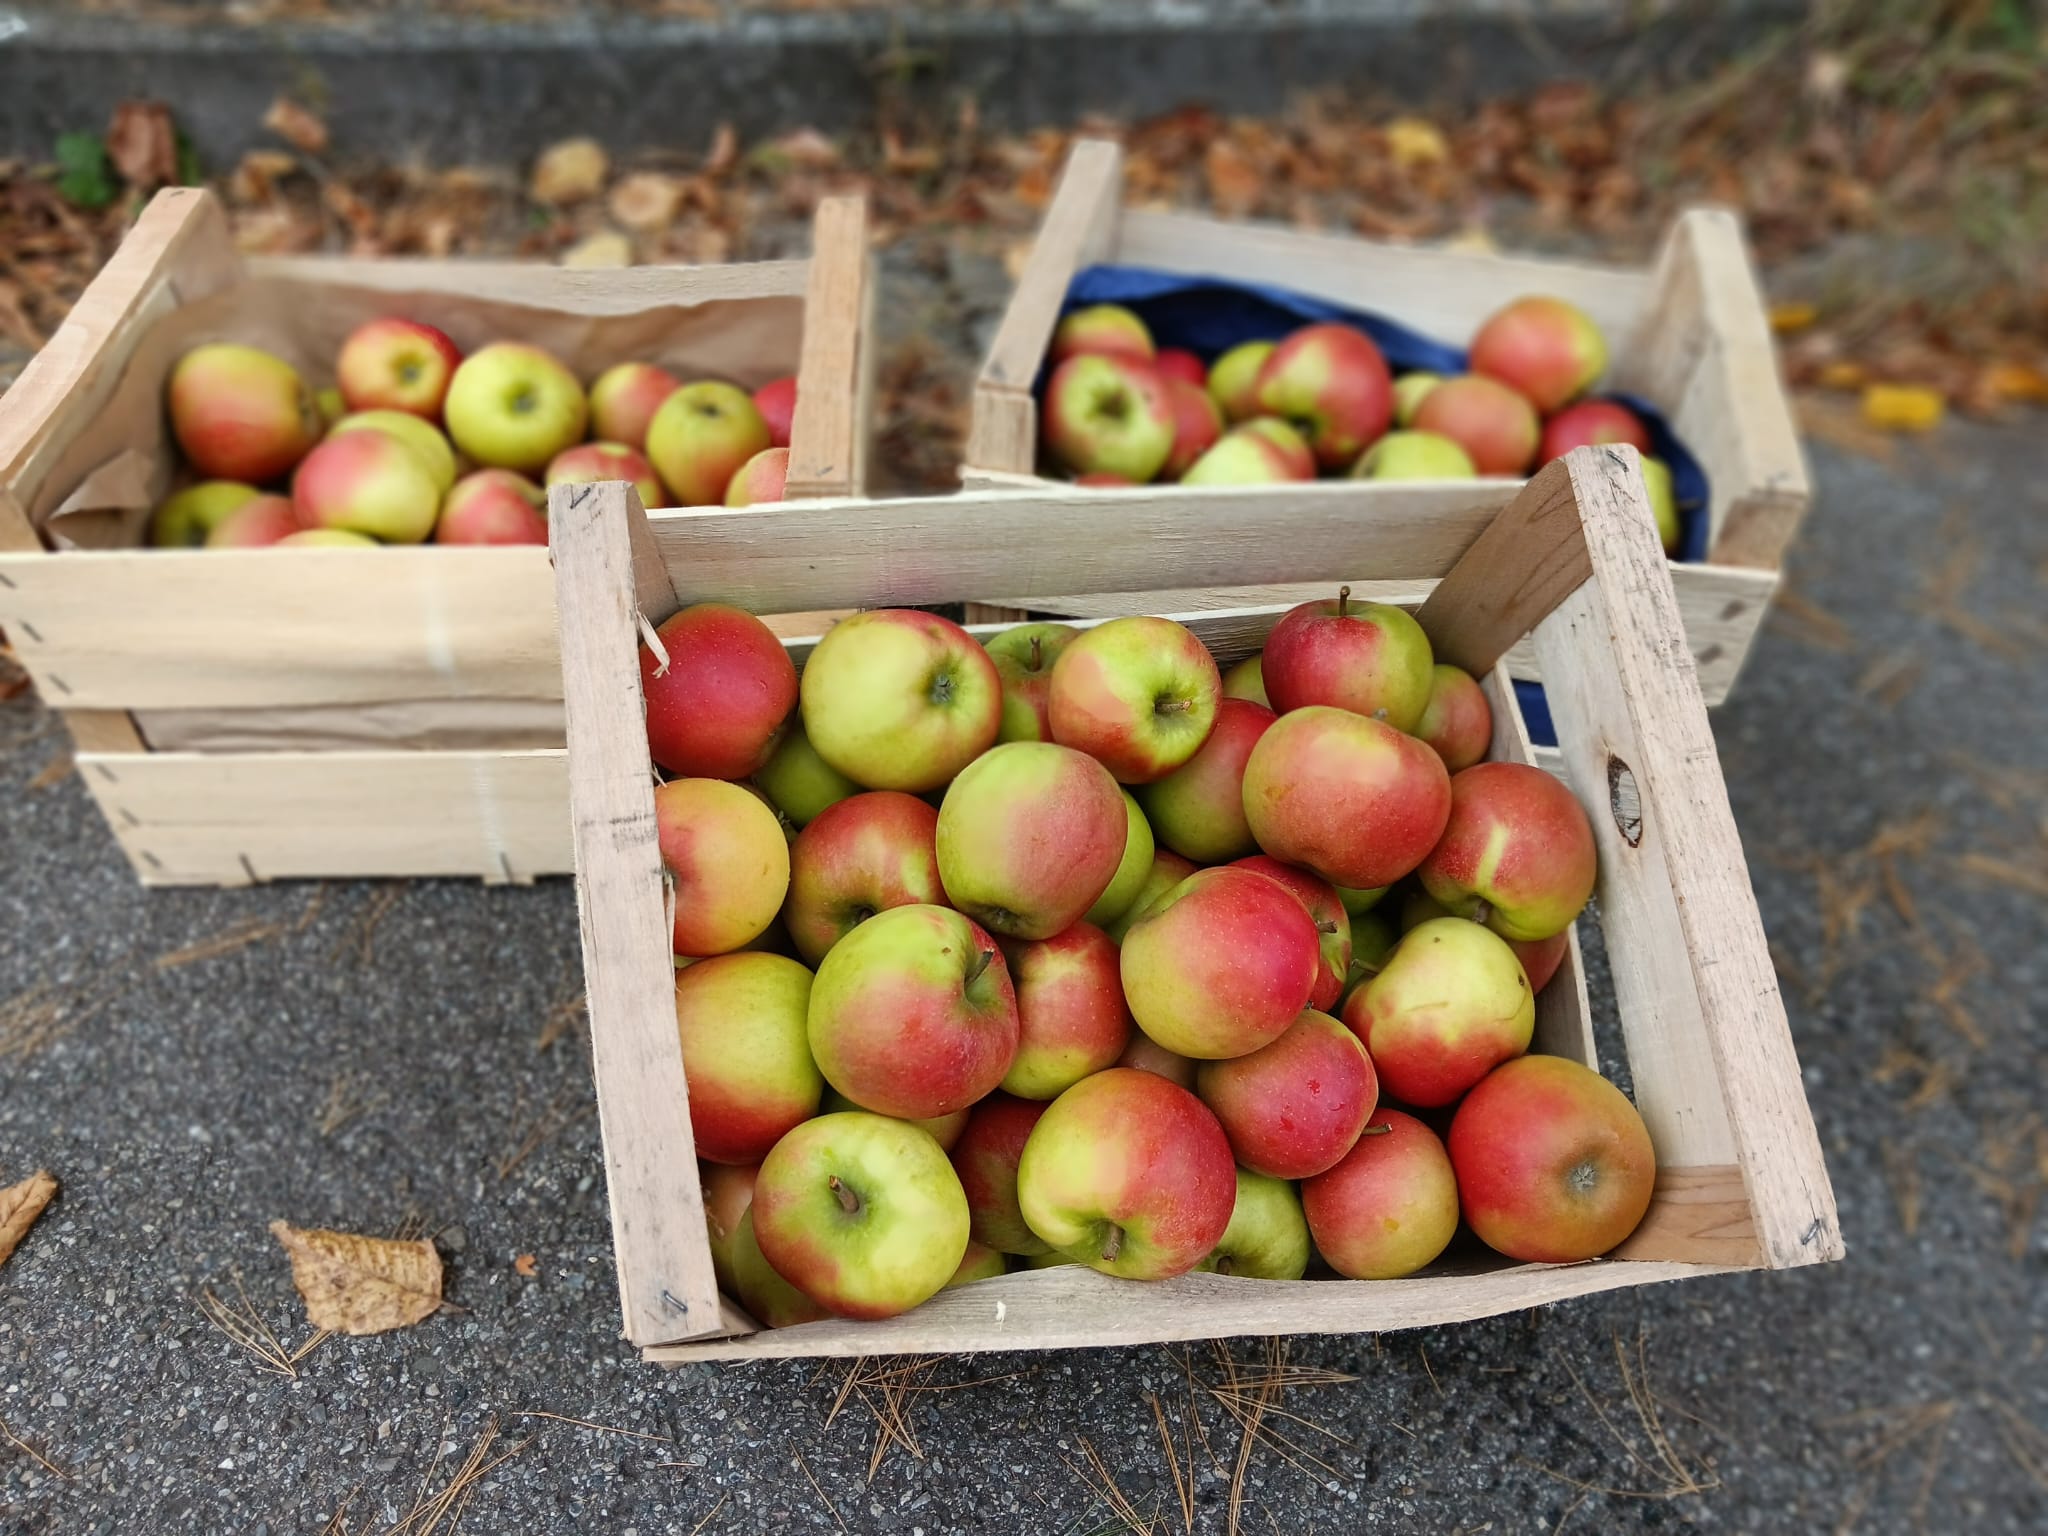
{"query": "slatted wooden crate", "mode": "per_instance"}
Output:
(246, 715)
(1690, 334)
(1571, 562)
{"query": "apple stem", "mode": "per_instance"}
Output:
(1343, 600)
(979, 966)
(1112, 1245)
(849, 1202)
(1376, 1130)
(1173, 706)
(1037, 653)
(1482, 914)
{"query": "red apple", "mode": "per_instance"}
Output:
(1332, 383)
(1457, 723)
(1349, 797)
(588, 463)
(1497, 428)
(700, 436)
(1545, 348)
(1139, 695)
(776, 401)
(1110, 415)
(1541, 957)
(1102, 477)
(493, 506)
(1148, 1055)
(1288, 444)
(256, 523)
(1390, 1207)
(624, 399)
(728, 1193)
(1234, 379)
(1102, 330)
(1293, 1108)
(1590, 423)
(1263, 451)
(857, 857)
(769, 1299)
(1221, 964)
(1197, 424)
(726, 856)
(1024, 655)
(1449, 1006)
(1030, 835)
(241, 414)
(1198, 809)
(1179, 363)
(1372, 659)
(1167, 871)
(1132, 870)
(396, 365)
(1072, 1019)
(1516, 853)
(746, 1053)
(986, 1158)
(1333, 923)
(898, 699)
(368, 483)
(761, 480)
(717, 707)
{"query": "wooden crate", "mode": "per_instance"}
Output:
(246, 715)
(1690, 334)
(1572, 561)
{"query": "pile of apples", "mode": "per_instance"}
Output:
(1070, 949)
(415, 442)
(1119, 410)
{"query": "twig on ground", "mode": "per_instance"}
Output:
(32, 1453)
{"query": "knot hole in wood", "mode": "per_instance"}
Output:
(1624, 801)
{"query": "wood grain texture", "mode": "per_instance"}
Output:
(568, 290)
(1079, 228)
(828, 439)
(1697, 1216)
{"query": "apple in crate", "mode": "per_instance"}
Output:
(1148, 1055)
(1198, 809)
(761, 480)
(944, 1129)
(1517, 852)
(493, 506)
(771, 1300)
(1553, 1162)
(1540, 957)
(422, 437)
(512, 406)
(1102, 330)
(623, 401)
(1326, 908)
(239, 413)
(859, 856)
(1030, 835)
(325, 538)
(985, 1158)
(1167, 871)
(1497, 428)
(1071, 1015)
(861, 1213)
(1197, 424)
(716, 706)
(1663, 503)
(1132, 870)
(1457, 722)
(898, 699)
(727, 859)
(1267, 1238)
(187, 518)
(1391, 1205)
(1331, 382)
(1024, 655)
(978, 1263)
(254, 524)
(1544, 348)
(728, 1194)
(1247, 680)
(913, 1013)
(391, 364)
(1128, 1174)
(1369, 658)
(746, 1053)
(592, 463)
(699, 438)
(1108, 415)
(1221, 964)
(1262, 451)
(799, 783)
(776, 401)
(1409, 389)
(1234, 379)
(1138, 695)
(1179, 363)
(367, 482)
(1408, 455)
(1449, 1006)
(1349, 797)
(1295, 1106)
(1591, 423)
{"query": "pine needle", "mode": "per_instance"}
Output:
(32, 1453)
(244, 1326)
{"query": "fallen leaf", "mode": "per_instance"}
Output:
(296, 126)
(724, 152)
(606, 248)
(1412, 141)
(20, 1205)
(808, 148)
(1902, 407)
(1842, 375)
(2016, 381)
(256, 178)
(142, 144)
(646, 200)
(1791, 318)
(361, 1285)
(572, 171)
(1234, 182)
(526, 1266)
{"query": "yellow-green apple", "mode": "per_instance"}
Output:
(589, 463)
(1267, 1238)
(1357, 901)
(512, 406)
(325, 538)
(985, 1158)
(391, 364)
(1234, 379)
(944, 1129)
(699, 438)
(1591, 423)
(1262, 451)
(799, 782)
(1294, 450)
(1333, 923)
(978, 1263)
(1663, 503)
(1132, 870)
(241, 414)
(624, 398)
(1221, 964)
(1108, 415)
(1544, 348)
(1293, 1107)
(898, 699)
(728, 1192)
(746, 1053)
(1024, 655)
(1331, 382)
(1370, 658)
(716, 706)
(1030, 835)
(1103, 330)
(1180, 363)
(186, 518)
(727, 860)
(1497, 428)
(256, 523)
(761, 480)
(422, 437)
(1197, 424)
(1411, 455)
(493, 506)
(1554, 1164)
(1138, 695)
(1409, 389)
(859, 856)
(367, 482)
(330, 405)
(1373, 940)
(1198, 809)
(1516, 853)
(1148, 1055)
(1247, 680)
(1449, 1006)
(769, 1299)
(1128, 1174)
(913, 1014)
(1347, 796)
(1071, 1016)
(861, 1213)
(1390, 1207)
(1167, 871)
(776, 401)
(1457, 722)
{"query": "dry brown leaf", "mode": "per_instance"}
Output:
(1234, 182)
(1902, 407)
(569, 172)
(361, 1285)
(1791, 318)
(297, 126)
(808, 148)
(526, 1266)
(20, 1205)
(1414, 141)
(724, 152)
(143, 145)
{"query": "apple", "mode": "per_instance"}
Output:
(1390, 1207)
(1546, 349)
(331, 406)
(1541, 957)
(859, 856)
(1072, 1019)
(913, 1013)
(716, 707)
(512, 406)
(1221, 964)
(769, 1299)
(590, 463)
(1663, 504)
(700, 437)
(186, 518)
(1024, 655)
(1457, 723)
(1371, 658)
(1101, 330)
(1128, 1174)
(370, 483)
(1198, 809)
(1180, 363)
(1347, 796)
(1293, 1107)
(1030, 835)
(861, 1213)
(727, 860)
(1267, 1238)
(422, 437)
(761, 481)
(1411, 455)
(1132, 870)
(1331, 382)
(985, 1158)
(978, 1263)
(1293, 448)
(746, 1053)
(1111, 415)
(623, 401)
(1333, 923)
(728, 1193)
(1409, 389)
(396, 365)
(1148, 1055)
(1139, 695)
(1262, 451)
(799, 783)
(1516, 853)
(898, 699)
(1234, 379)
(1247, 680)
(944, 1129)
(776, 401)
(1357, 900)
(254, 524)
(1589, 424)
(1197, 424)
(240, 413)
(1102, 477)
(1497, 428)
(1449, 1006)
(1373, 940)
(493, 506)
(1554, 1164)
(1167, 871)
(325, 538)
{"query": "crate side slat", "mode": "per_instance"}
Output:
(828, 437)
(594, 292)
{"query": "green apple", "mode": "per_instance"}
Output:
(798, 781)
(1663, 504)
(1267, 1238)
(1234, 379)
(186, 518)
(771, 1300)
(898, 699)
(512, 406)
(1024, 655)
(1411, 455)
(422, 437)
(1131, 872)
(1408, 392)
(1247, 680)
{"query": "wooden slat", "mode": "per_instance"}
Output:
(666, 1283)
(1697, 1216)
(575, 291)
(103, 730)
(828, 438)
